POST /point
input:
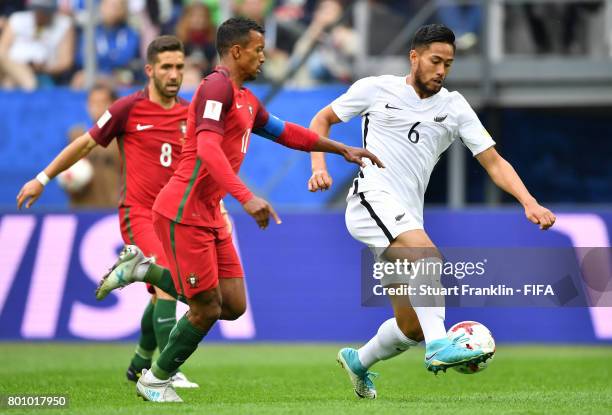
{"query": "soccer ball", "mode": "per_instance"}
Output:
(74, 179)
(475, 335)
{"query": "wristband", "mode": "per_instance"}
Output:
(43, 178)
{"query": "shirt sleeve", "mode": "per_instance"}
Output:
(356, 100)
(471, 131)
(112, 123)
(214, 159)
(214, 98)
(285, 133)
(261, 117)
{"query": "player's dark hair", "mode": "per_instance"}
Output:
(161, 44)
(433, 33)
(235, 31)
(102, 86)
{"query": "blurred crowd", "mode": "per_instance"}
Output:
(42, 42)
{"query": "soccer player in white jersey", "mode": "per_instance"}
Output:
(409, 122)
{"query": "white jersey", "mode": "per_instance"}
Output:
(408, 134)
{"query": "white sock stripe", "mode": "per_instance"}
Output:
(145, 354)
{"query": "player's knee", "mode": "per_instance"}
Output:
(204, 317)
(205, 313)
(233, 311)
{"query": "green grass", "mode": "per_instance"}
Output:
(305, 379)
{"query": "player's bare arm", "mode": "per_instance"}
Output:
(299, 138)
(350, 154)
(505, 177)
(321, 124)
(73, 152)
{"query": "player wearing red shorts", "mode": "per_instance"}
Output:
(203, 262)
(150, 126)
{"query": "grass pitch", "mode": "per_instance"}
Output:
(305, 379)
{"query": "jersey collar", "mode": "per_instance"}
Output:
(413, 96)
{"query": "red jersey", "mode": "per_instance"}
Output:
(150, 139)
(192, 195)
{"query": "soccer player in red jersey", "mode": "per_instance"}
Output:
(203, 262)
(150, 127)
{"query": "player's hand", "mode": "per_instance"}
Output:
(320, 180)
(539, 215)
(228, 221)
(32, 191)
(355, 155)
(261, 211)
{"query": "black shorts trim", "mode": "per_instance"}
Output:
(376, 218)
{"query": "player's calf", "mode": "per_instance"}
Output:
(205, 309)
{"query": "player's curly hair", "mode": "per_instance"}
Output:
(432, 33)
(161, 44)
(235, 31)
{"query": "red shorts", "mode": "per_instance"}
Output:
(198, 256)
(137, 229)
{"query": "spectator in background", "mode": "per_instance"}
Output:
(153, 18)
(117, 45)
(279, 40)
(560, 28)
(332, 61)
(214, 8)
(197, 32)
(8, 7)
(36, 47)
(76, 9)
(465, 20)
(388, 18)
(103, 189)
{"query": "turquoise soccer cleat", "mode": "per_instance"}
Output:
(360, 377)
(122, 272)
(444, 353)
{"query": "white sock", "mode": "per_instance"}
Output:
(388, 342)
(431, 316)
(150, 378)
(432, 322)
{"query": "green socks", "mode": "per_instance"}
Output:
(183, 341)
(164, 318)
(147, 342)
(161, 278)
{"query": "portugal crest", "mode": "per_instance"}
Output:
(193, 280)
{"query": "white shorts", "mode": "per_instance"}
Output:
(376, 218)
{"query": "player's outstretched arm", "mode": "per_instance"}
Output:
(73, 152)
(299, 138)
(350, 154)
(321, 124)
(506, 178)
